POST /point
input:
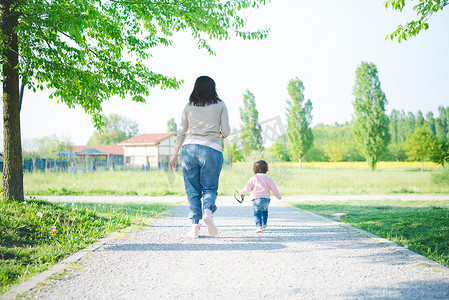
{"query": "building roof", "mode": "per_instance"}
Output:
(148, 138)
(105, 149)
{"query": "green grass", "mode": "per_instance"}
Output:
(102, 183)
(441, 176)
(34, 235)
(422, 225)
(290, 180)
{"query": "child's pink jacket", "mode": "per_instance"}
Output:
(260, 186)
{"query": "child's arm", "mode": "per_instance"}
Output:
(248, 188)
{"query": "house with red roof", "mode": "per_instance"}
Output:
(149, 150)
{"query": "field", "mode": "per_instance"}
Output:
(312, 178)
(36, 234)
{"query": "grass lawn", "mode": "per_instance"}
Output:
(422, 225)
(35, 235)
(313, 178)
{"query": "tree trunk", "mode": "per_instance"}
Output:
(12, 145)
(422, 166)
(300, 163)
(22, 90)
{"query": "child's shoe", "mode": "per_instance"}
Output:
(210, 224)
(195, 231)
(259, 229)
(264, 227)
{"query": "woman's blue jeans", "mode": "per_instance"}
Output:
(201, 167)
(260, 206)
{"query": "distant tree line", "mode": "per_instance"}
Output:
(372, 135)
(337, 142)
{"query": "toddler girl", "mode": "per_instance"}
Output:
(260, 186)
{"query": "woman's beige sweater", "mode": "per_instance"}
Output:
(202, 124)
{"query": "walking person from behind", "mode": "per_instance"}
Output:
(260, 186)
(204, 122)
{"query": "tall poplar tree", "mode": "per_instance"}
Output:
(86, 51)
(371, 127)
(442, 123)
(299, 117)
(250, 129)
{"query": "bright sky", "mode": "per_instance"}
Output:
(320, 42)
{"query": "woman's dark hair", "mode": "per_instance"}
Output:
(204, 92)
(260, 166)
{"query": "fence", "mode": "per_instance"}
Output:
(62, 165)
(77, 166)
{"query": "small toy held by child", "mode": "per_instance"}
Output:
(260, 186)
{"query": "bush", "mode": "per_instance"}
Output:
(441, 177)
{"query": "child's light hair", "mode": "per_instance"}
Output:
(260, 166)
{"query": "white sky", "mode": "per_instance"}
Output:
(320, 42)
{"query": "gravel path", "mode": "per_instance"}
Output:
(299, 256)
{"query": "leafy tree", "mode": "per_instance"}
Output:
(394, 125)
(299, 117)
(341, 133)
(424, 10)
(88, 51)
(56, 144)
(421, 145)
(172, 126)
(335, 150)
(370, 122)
(410, 124)
(395, 152)
(117, 129)
(441, 153)
(419, 121)
(406, 126)
(279, 149)
(442, 124)
(431, 123)
(233, 152)
(250, 129)
(315, 154)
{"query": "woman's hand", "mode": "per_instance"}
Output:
(173, 163)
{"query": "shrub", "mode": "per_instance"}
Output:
(441, 177)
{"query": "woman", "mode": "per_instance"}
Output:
(204, 121)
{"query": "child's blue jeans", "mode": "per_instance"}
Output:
(260, 206)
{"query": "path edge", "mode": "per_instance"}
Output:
(34, 281)
(380, 240)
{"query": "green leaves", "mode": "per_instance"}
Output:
(421, 144)
(87, 51)
(299, 117)
(371, 127)
(424, 10)
(117, 129)
(250, 129)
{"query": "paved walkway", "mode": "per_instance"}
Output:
(300, 256)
